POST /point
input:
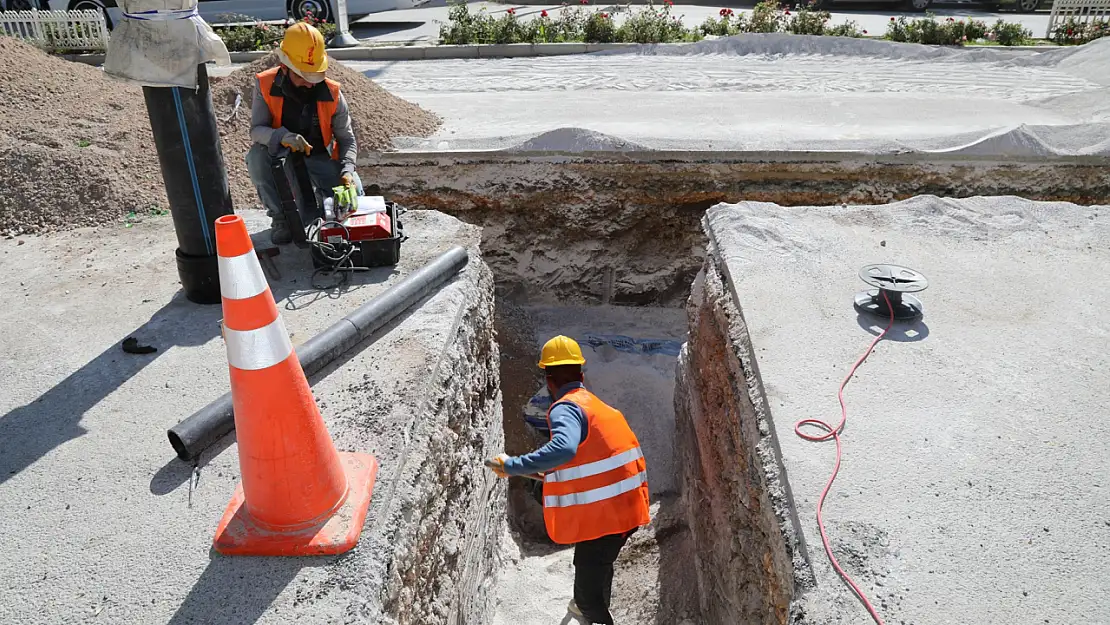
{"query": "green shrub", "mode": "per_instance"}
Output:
(462, 27)
(768, 17)
(652, 25)
(1009, 34)
(245, 34)
(727, 25)
(599, 29)
(807, 22)
(847, 29)
(953, 32)
(975, 29)
(506, 29)
(926, 30)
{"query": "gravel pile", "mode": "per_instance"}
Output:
(76, 147)
(377, 116)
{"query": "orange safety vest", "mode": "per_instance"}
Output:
(603, 490)
(325, 109)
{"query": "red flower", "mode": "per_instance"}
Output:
(668, 3)
(892, 19)
(865, 32)
(543, 13)
(604, 15)
(788, 12)
(583, 1)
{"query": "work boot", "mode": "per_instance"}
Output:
(279, 233)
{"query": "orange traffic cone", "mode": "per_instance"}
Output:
(299, 496)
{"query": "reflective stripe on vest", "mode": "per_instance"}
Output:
(597, 494)
(595, 468)
(324, 110)
(603, 490)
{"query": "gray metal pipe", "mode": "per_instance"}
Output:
(211, 423)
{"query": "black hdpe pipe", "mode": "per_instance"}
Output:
(211, 423)
(188, 144)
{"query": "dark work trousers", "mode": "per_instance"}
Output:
(593, 575)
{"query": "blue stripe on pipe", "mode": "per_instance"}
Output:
(192, 169)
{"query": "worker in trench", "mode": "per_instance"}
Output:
(296, 108)
(595, 492)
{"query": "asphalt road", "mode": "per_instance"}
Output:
(422, 24)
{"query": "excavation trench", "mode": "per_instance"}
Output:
(612, 249)
(642, 297)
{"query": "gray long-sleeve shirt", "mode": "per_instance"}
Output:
(262, 130)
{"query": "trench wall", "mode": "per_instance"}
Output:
(625, 228)
(449, 511)
(736, 498)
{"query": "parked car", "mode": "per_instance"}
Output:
(213, 10)
(1021, 6)
(908, 5)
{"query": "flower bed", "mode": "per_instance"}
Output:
(1074, 32)
(245, 34)
(956, 32)
(651, 23)
(656, 24)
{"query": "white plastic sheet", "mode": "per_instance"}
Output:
(159, 43)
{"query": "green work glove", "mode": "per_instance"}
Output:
(297, 143)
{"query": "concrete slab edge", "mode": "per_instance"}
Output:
(722, 156)
(758, 393)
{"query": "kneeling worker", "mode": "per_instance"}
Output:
(295, 107)
(595, 492)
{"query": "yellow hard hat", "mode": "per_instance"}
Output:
(303, 45)
(561, 350)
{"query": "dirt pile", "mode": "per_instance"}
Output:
(76, 147)
(377, 116)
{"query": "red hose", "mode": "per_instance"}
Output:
(834, 433)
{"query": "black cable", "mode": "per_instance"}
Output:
(335, 256)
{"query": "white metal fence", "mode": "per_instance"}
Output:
(58, 30)
(1077, 13)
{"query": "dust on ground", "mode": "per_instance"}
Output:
(76, 147)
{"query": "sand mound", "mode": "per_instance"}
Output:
(76, 147)
(1090, 61)
(774, 44)
(377, 116)
(576, 140)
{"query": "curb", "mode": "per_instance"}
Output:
(483, 51)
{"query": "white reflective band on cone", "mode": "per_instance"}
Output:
(595, 468)
(252, 350)
(241, 276)
(597, 494)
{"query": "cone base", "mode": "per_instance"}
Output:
(239, 534)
